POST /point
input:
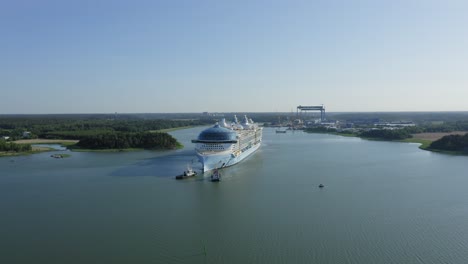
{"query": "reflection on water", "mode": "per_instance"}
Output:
(382, 203)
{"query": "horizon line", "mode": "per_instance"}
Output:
(257, 112)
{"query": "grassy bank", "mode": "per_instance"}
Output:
(169, 129)
(22, 153)
(114, 150)
(41, 149)
(424, 142)
(332, 133)
(34, 150)
(78, 149)
(63, 142)
(70, 144)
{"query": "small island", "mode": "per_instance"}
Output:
(60, 156)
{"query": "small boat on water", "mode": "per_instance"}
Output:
(321, 186)
(215, 177)
(187, 173)
(279, 131)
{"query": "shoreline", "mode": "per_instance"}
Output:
(120, 150)
(37, 149)
(24, 153)
(424, 143)
(63, 142)
(105, 150)
(165, 130)
(70, 144)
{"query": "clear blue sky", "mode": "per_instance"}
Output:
(227, 56)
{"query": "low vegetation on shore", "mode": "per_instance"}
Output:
(111, 132)
(120, 140)
(63, 142)
(445, 142)
(378, 134)
(15, 149)
(90, 132)
(456, 144)
(10, 148)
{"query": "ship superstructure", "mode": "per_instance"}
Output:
(227, 144)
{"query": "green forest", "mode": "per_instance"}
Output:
(78, 126)
(384, 134)
(10, 146)
(320, 129)
(387, 134)
(456, 143)
(95, 131)
(121, 140)
(120, 131)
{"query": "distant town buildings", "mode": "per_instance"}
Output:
(395, 124)
(356, 125)
(212, 114)
(26, 134)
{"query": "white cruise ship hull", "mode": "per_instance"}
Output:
(225, 159)
(226, 145)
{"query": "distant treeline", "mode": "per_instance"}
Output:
(96, 131)
(428, 128)
(387, 134)
(446, 127)
(10, 146)
(432, 128)
(320, 129)
(122, 140)
(384, 134)
(419, 118)
(66, 127)
(456, 143)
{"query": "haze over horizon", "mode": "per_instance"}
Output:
(242, 56)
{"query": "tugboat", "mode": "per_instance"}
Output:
(215, 177)
(187, 173)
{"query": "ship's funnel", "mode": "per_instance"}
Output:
(246, 120)
(223, 122)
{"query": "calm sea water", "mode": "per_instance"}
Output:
(383, 202)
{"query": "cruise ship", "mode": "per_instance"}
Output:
(227, 144)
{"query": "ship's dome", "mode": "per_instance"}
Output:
(217, 133)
